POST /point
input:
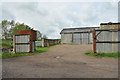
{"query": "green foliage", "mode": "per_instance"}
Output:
(39, 35)
(8, 55)
(10, 28)
(59, 39)
(115, 55)
(14, 30)
(41, 49)
(4, 26)
(5, 43)
(44, 37)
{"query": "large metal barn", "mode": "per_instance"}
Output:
(81, 35)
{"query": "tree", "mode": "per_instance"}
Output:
(12, 24)
(44, 37)
(39, 35)
(18, 27)
(10, 28)
(4, 26)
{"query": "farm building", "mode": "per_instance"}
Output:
(81, 35)
(50, 42)
(106, 39)
(110, 25)
(46, 42)
(24, 41)
(38, 43)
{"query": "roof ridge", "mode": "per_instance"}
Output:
(79, 28)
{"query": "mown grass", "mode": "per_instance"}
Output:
(114, 55)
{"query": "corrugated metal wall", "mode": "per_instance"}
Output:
(66, 38)
(80, 38)
(76, 38)
(22, 47)
(33, 46)
(85, 38)
(91, 37)
(22, 43)
(107, 36)
(107, 47)
(51, 42)
(32, 33)
(22, 39)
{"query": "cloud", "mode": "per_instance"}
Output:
(59, 0)
(0, 11)
(50, 18)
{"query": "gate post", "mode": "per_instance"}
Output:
(43, 43)
(14, 49)
(94, 41)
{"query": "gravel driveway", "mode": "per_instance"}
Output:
(61, 61)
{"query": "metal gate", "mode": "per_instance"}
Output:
(106, 41)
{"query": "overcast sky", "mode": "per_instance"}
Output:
(51, 17)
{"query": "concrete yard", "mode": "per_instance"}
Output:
(61, 61)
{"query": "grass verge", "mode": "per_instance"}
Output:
(6, 43)
(114, 55)
(38, 50)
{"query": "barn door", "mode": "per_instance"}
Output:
(76, 38)
(85, 38)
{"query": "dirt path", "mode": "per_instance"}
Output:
(71, 63)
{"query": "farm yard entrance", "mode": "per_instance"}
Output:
(61, 61)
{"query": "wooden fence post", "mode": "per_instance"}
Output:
(94, 41)
(14, 51)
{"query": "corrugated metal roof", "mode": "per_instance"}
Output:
(110, 23)
(77, 30)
